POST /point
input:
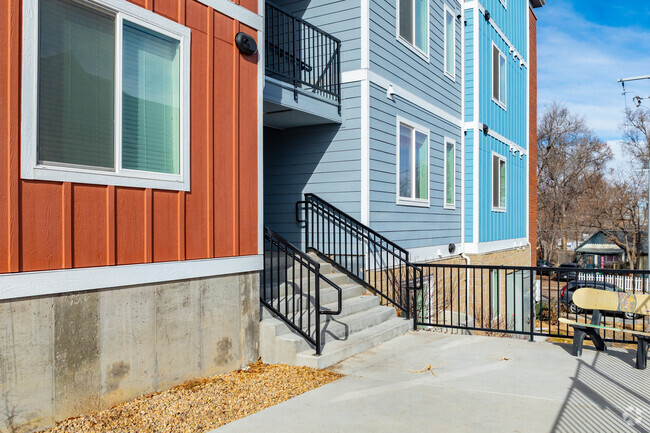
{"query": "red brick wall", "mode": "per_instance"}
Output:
(532, 117)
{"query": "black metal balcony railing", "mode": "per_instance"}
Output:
(301, 54)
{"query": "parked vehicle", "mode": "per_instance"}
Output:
(544, 264)
(570, 274)
(566, 295)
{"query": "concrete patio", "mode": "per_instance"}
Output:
(479, 384)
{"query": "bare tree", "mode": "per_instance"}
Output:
(571, 167)
(636, 134)
(622, 214)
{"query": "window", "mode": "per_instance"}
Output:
(413, 23)
(412, 165)
(498, 77)
(110, 91)
(498, 183)
(450, 44)
(450, 173)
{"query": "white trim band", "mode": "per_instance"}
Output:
(236, 12)
(514, 147)
(385, 83)
(40, 283)
(495, 246)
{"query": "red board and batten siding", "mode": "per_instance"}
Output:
(57, 225)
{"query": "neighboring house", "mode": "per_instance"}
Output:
(431, 145)
(130, 231)
(608, 250)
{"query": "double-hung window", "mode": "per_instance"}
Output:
(412, 164)
(106, 92)
(450, 44)
(413, 24)
(450, 173)
(499, 82)
(498, 183)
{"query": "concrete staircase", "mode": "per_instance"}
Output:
(362, 324)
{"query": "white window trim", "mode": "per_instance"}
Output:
(452, 76)
(120, 177)
(447, 141)
(499, 208)
(502, 104)
(411, 46)
(406, 201)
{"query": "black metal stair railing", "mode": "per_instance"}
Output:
(302, 54)
(366, 256)
(291, 286)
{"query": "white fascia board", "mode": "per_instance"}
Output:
(478, 127)
(42, 283)
(495, 246)
(237, 12)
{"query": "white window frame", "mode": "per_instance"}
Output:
(447, 141)
(452, 75)
(505, 161)
(412, 46)
(412, 201)
(501, 103)
(31, 169)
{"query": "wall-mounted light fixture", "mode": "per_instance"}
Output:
(390, 91)
(486, 14)
(245, 43)
(486, 129)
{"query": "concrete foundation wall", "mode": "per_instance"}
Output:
(64, 355)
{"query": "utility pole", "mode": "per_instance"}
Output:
(647, 168)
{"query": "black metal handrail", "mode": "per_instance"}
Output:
(521, 300)
(302, 54)
(291, 285)
(366, 256)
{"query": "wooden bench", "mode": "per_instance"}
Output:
(615, 302)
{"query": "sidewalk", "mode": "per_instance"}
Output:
(481, 384)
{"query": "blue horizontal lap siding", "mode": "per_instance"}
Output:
(511, 122)
(511, 21)
(410, 226)
(322, 159)
(469, 186)
(396, 62)
(469, 67)
(340, 18)
(511, 224)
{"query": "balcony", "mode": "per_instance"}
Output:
(303, 72)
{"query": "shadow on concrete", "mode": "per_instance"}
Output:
(608, 395)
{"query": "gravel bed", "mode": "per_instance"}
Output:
(201, 405)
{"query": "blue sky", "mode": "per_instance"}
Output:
(584, 47)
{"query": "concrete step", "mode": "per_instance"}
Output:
(350, 306)
(338, 350)
(328, 298)
(334, 328)
(304, 282)
(325, 267)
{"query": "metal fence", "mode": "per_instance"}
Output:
(520, 300)
(302, 54)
